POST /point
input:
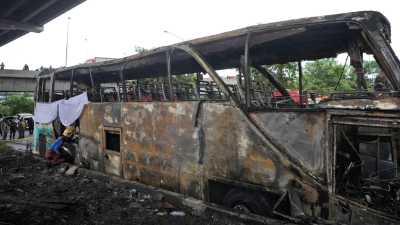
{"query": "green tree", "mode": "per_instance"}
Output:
(323, 76)
(286, 73)
(19, 104)
(371, 68)
(140, 50)
(5, 110)
(184, 78)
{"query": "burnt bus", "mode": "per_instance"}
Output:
(236, 144)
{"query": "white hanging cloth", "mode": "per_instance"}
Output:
(46, 112)
(70, 110)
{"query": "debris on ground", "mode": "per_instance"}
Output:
(32, 193)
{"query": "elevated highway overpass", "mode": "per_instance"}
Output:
(19, 17)
(18, 80)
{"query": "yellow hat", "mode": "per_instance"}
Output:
(68, 132)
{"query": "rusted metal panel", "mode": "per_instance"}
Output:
(301, 136)
(234, 152)
(370, 104)
(231, 152)
(90, 130)
(160, 145)
(112, 115)
(112, 163)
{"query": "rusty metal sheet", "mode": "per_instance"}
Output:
(112, 163)
(90, 130)
(112, 115)
(230, 151)
(160, 146)
(362, 104)
(302, 136)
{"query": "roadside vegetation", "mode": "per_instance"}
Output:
(324, 75)
(14, 104)
(5, 149)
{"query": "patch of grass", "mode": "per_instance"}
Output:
(5, 149)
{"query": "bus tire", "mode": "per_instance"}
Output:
(247, 202)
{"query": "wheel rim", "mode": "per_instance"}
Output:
(244, 207)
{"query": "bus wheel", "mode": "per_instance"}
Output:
(245, 201)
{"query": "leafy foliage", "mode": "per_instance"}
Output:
(285, 73)
(5, 110)
(184, 78)
(140, 50)
(371, 67)
(5, 149)
(323, 76)
(18, 104)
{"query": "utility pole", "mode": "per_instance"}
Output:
(66, 49)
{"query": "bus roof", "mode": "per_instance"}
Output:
(273, 43)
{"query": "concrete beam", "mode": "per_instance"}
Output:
(19, 73)
(17, 85)
(24, 81)
(18, 80)
(33, 11)
(12, 25)
(11, 8)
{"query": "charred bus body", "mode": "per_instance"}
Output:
(237, 145)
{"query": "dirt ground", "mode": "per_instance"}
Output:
(31, 193)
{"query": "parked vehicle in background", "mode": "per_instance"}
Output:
(19, 115)
(6, 118)
(26, 119)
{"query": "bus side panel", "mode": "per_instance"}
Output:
(160, 145)
(302, 136)
(231, 152)
(112, 114)
(91, 132)
(234, 152)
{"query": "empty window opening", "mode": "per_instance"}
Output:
(113, 140)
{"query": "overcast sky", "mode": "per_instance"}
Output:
(113, 28)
